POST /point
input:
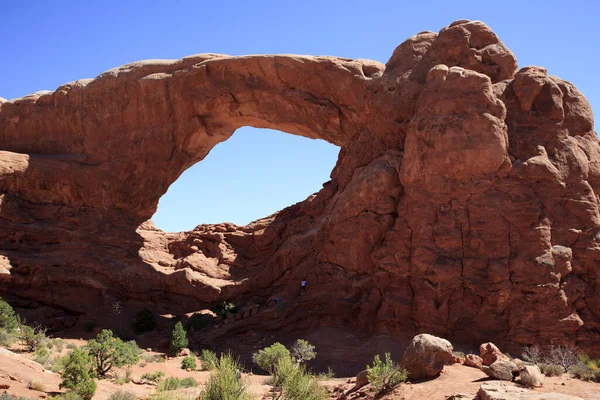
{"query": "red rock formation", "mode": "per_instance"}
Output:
(464, 203)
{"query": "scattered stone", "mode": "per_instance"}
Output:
(473, 360)
(426, 356)
(362, 379)
(184, 352)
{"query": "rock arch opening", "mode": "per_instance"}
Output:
(253, 174)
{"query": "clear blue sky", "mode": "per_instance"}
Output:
(44, 44)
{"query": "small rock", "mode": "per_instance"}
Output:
(184, 352)
(4, 386)
(472, 360)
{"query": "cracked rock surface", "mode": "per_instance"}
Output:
(464, 202)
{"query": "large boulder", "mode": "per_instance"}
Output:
(490, 353)
(426, 356)
(531, 376)
(501, 369)
(501, 391)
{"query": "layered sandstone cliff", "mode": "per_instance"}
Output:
(464, 202)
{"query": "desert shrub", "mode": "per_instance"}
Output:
(459, 354)
(198, 321)
(79, 374)
(7, 338)
(59, 363)
(225, 308)
(59, 345)
(9, 321)
(225, 382)
(65, 396)
(145, 321)
(209, 360)
(109, 352)
(71, 346)
(330, 374)
(153, 377)
(303, 351)
(551, 369)
(385, 375)
(6, 396)
(32, 337)
(122, 395)
(532, 354)
(169, 395)
(37, 386)
(189, 363)
(42, 356)
(565, 356)
(176, 383)
(122, 380)
(178, 338)
(152, 358)
(267, 358)
(294, 383)
(586, 369)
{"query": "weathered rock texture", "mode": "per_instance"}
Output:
(464, 202)
(426, 356)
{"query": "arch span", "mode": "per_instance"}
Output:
(139, 126)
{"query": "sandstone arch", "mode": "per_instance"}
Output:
(464, 202)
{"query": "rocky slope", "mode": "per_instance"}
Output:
(464, 202)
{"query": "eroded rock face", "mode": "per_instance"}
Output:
(464, 202)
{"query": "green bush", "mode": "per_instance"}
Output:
(109, 352)
(79, 374)
(178, 338)
(385, 375)
(153, 377)
(267, 358)
(9, 321)
(586, 371)
(6, 396)
(176, 383)
(295, 383)
(198, 321)
(330, 374)
(122, 395)
(225, 382)
(121, 380)
(303, 351)
(65, 396)
(42, 356)
(551, 369)
(209, 360)
(32, 338)
(59, 363)
(7, 339)
(225, 308)
(58, 343)
(189, 363)
(145, 321)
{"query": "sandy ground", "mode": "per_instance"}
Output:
(17, 370)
